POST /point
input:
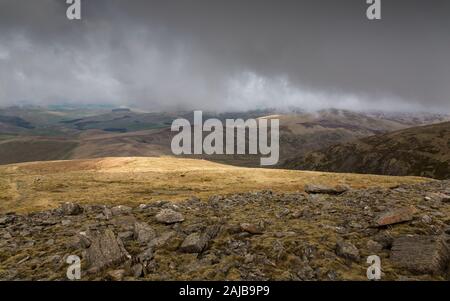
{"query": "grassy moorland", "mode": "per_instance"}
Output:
(35, 186)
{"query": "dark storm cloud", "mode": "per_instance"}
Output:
(234, 54)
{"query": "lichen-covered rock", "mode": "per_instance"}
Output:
(143, 233)
(252, 228)
(347, 250)
(438, 196)
(194, 243)
(125, 222)
(322, 189)
(374, 247)
(421, 254)
(116, 275)
(105, 250)
(71, 209)
(121, 209)
(161, 240)
(169, 216)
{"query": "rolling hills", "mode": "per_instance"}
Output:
(420, 151)
(81, 133)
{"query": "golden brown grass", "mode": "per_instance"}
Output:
(134, 180)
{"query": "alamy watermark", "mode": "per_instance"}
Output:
(374, 270)
(73, 12)
(74, 269)
(190, 138)
(373, 11)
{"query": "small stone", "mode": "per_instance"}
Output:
(347, 250)
(54, 259)
(100, 216)
(169, 216)
(426, 219)
(251, 228)
(137, 270)
(213, 231)
(125, 222)
(233, 229)
(25, 233)
(160, 203)
(322, 189)
(385, 239)
(126, 235)
(143, 206)
(116, 275)
(83, 240)
(29, 244)
(249, 258)
(6, 219)
(374, 247)
(121, 209)
(146, 256)
(284, 234)
(107, 213)
(194, 243)
(439, 197)
(66, 222)
(283, 213)
(305, 272)
(332, 275)
(143, 233)
(297, 214)
(7, 235)
(395, 216)
(355, 225)
(71, 209)
(161, 240)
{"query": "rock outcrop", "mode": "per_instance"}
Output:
(249, 236)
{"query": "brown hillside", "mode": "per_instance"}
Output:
(420, 151)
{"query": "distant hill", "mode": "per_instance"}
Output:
(15, 121)
(299, 133)
(418, 151)
(34, 149)
(66, 132)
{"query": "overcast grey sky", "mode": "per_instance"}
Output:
(228, 54)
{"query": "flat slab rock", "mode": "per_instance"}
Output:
(322, 189)
(421, 254)
(395, 216)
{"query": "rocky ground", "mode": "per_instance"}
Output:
(325, 233)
